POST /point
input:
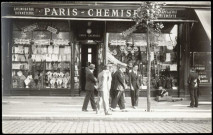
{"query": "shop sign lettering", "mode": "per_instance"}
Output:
(90, 35)
(21, 41)
(118, 42)
(60, 42)
(83, 12)
(30, 28)
(51, 29)
(42, 42)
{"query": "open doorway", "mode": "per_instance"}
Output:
(88, 55)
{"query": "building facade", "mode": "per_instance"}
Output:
(47, 45)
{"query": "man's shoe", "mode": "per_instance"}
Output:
(84, 110)
(196, 106)
(190, 106)
(134, 107)
(124, 110)
(112, 109)
(97, 111)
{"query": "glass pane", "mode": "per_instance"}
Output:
(41, 59)
(89, 50)
(90, 58)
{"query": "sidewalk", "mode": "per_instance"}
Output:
(69, 108)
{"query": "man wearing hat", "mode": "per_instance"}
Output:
(90, 87)
(119, 86)
(193, 81)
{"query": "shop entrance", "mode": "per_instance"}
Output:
(88, 55)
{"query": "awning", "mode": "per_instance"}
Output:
(113, 60)
(205, 19)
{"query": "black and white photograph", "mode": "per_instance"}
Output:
(106, 67)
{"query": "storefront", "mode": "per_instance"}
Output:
(46, 47)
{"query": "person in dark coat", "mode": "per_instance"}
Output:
(135, 83)
(113, 69)
(193, 80)
(119, 87)
(90, 87)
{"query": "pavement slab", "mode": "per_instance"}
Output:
(69, 108)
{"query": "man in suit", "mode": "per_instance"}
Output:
(90, 87)
(119, 87)
(104, 85)
(135, 83)
(113, 69)
(193, 81)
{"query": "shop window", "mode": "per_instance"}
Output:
(41, 56)
(202, 64)
(133, 50)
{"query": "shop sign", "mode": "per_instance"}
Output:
(93, 11)
(53, 30)
(30, 28)
(22, 41)
(89, 35)
(60, 42)
(42, 42)
(140, 43)
(118, 42)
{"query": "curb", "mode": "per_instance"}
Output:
(46, 118)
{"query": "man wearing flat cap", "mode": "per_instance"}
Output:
(90, 87)
(119, 86)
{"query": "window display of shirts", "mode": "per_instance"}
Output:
(39, 50)
(68, 57)
(27, 57)
(34, 49)
(56, 49)
(44, 50)
(55, 66)
(50, 49)
(16, 50)
(26, 50)
(48, 57)
(54, 57)
(61, 50)
(21, 49)
(67, 50)
(33, 57)
(64, 58)
(15, 57)
(38, 57)
(59, 58)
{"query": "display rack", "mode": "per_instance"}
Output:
(41, 59)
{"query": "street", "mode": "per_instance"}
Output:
(104, 126)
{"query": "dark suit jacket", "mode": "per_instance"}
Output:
(193, 76)
(113, 81)
(119, 81)
(135, 80)
(90, 81)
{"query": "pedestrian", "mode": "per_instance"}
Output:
(113, 69)
(193, 81)
(104, 85)
(90, 87)
(119, 86)
(135, 84)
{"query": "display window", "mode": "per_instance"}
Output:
(41, 55)
(202, 64)
(164, 56)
